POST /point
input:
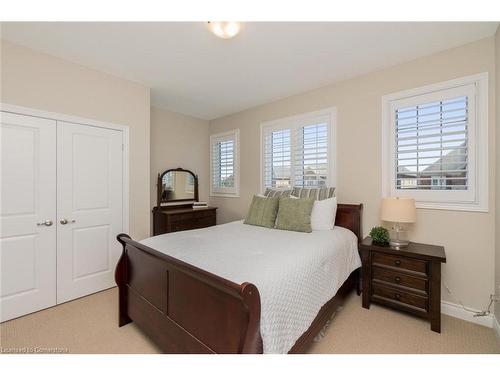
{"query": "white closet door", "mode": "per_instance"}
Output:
(27, 215)
(89, 207)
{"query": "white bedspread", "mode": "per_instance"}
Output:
(296, 273)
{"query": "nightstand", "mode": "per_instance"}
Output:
(407, 279)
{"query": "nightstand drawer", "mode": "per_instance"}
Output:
(399, 262)
(400, 279)
(399, 296)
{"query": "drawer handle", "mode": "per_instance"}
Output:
(397, 279)
(397, 296)
(397, 262)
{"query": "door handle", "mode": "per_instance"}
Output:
(66, 221)
(46, 223)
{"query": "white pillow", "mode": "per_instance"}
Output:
(323, 214)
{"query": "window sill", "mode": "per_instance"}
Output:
(225, 195)
(452, 206)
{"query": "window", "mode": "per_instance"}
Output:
(224, 164)
(435, 145)
(298, 151)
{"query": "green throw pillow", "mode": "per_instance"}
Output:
(295, 214)
(262, 211)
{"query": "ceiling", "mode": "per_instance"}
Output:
(191, 71)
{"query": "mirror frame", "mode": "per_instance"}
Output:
(160, 180)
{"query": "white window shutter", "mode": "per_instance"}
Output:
(311, 155)
(224, 173)
(277, 158)
(432, 145)
(298, 151)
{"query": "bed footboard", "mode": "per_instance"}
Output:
(182, 308)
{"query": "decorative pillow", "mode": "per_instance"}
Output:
(277, 192)
(323, 214)
(318, 193)
(262, 211)
(295, 214)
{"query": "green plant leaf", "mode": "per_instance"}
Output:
(380, 235)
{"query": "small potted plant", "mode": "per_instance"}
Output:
(380, 235)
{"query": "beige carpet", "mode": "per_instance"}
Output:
(89, 325)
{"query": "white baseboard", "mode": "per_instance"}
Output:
(496, 326)
(452, 309)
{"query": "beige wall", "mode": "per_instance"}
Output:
(40, 81)
(36, 80)
(468, 237)
(179, 141)
(497, 185)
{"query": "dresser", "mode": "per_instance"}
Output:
(167, 219)
(407, 279)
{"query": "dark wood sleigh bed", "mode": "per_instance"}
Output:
(185, 309)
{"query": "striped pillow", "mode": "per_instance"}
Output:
(318, 193)
(271, 193)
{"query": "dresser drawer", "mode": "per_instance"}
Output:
(181, 217)
(399, 262)
(202, 222)
(397, 295)
(203, 213)
(192, 215)
(400, 279)
(195, 223)
(184, 218)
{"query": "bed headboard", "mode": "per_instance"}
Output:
(349, 216)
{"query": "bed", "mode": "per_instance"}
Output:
(236, 288)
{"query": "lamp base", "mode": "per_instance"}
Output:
(398, 244)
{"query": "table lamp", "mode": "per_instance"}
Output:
(398, 211)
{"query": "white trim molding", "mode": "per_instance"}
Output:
(496, 326)
(457, 311)
(61, 117)
(475, 197)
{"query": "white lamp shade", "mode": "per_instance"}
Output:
(398, 210)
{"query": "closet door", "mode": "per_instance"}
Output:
(89, 207)
(27, 215)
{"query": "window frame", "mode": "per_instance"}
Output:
(476, 197)
(233, 192)
(294, 122)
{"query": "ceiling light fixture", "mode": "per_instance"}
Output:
(224, 30)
